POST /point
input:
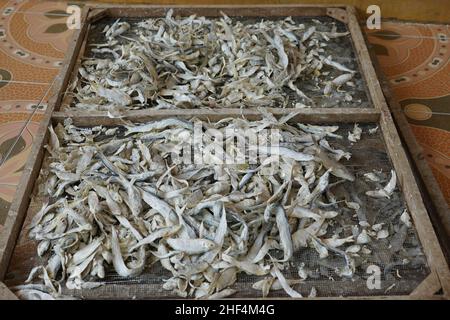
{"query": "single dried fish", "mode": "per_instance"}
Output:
(191, 246)
(355, 135)
(387, 190)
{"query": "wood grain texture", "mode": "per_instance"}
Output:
(339, 14)
(428, 287)
(315, 115)
(5, 293)
(215, 10)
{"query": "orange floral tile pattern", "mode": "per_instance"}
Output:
(416, 60)
(433, 138)
(443, 182)
(33, 40)
(22, 91)
(9, 108)
(9, 156)
(13, 117)
(41, 33)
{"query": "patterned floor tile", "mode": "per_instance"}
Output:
(37, 29)
(9, 108)
(16, 140)
(416, 60)
(24, 110)
(13, 153)
(396, 30)
(410, 61)
(33, 40)
(21, 93)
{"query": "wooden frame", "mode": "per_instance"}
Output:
(439, 277)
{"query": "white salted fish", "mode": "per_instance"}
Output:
(191, 246)
(117, 259)
(387, 191)
(355, 135)
(285, 233)
(284, 284)
(406, 219)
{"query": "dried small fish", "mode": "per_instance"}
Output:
(246, 266)
(406, 219)
(284, 284)
(387, 190)
(155, 235)
(285, 234)
(363, 237)
(371, 176)
(353, 248)
(119, 264)
(302, 273)
(33, 294)
(355, 135)
(264, 285)
(336, 65)
(353, 205)
(337, 242)
(185, 62)
(191, 246)
(226, 279)
(382, 234)
(337, 82)
(336, 168)
(272, 284)
(373, 130)
(377, 227)
(114, 96)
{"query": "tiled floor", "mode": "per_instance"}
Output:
(33, 39)
(416, 60)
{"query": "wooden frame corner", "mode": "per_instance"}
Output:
(339, 14)
(6, 294)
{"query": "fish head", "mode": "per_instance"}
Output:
(210, 245)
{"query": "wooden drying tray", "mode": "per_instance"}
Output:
(97, 13)
(438, 279)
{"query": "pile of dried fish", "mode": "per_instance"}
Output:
(195, 62)
(120, 197)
